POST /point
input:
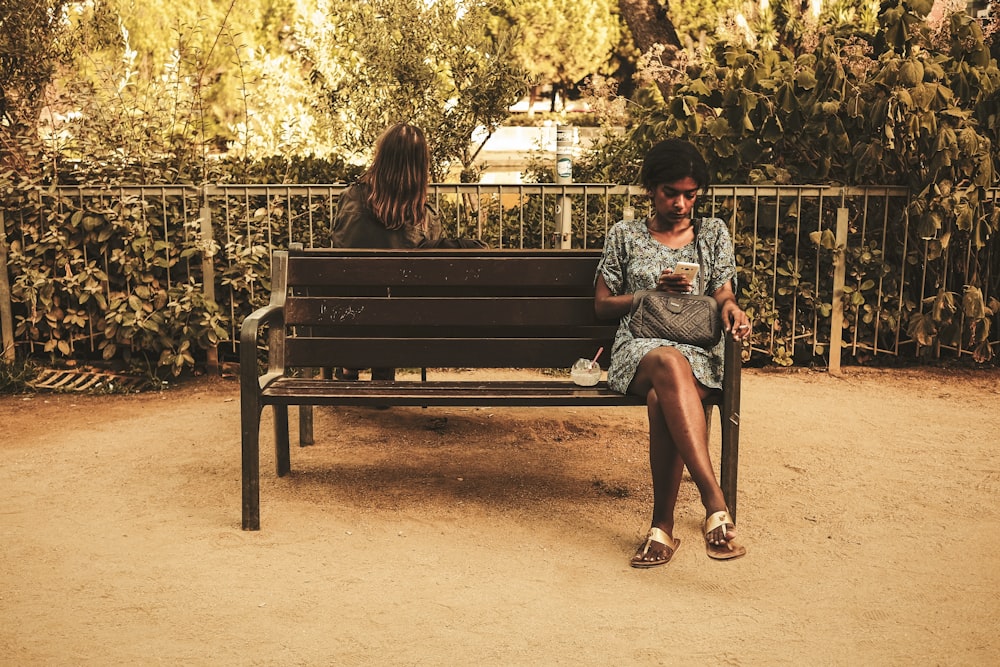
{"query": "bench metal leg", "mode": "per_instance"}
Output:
(282, 459)
(250, 418)
(730, 459)
(306, 437)
(306, 426)
(730, 417)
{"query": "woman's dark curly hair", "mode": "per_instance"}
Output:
(671, 160)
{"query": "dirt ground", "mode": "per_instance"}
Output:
(442, 536)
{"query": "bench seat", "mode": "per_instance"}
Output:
(475, 392)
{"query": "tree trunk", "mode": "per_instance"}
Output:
(532, 98)
(650, 25)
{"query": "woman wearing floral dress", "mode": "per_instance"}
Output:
(673, 377)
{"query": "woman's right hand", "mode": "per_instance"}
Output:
(673, 282)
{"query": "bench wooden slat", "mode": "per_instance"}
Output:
(464, 269)
(298, 391)
(442, 312)
(442, 352)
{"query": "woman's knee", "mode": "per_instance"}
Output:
(668, 362)
(663, 367)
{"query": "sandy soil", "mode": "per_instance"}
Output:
(502, 536)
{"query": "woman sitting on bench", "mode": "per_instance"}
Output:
(387, 207)
(674, 377)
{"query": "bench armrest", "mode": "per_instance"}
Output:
(733, 366)
(273, 315)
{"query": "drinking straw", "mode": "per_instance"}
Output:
(594, 360)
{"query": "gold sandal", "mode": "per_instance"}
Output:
(660, 537)
(726, 551)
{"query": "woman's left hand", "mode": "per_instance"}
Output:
(734, 320)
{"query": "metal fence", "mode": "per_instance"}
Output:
(824, 270)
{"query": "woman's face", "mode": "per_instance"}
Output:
(674, 201)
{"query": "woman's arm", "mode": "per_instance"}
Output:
(607, 306)
(733, 318)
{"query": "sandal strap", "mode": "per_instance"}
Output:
(720, 518)
(658, 535)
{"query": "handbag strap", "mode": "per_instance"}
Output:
(695, 224)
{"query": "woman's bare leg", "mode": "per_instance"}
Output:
(664, 374)
(666, 467)
(665, 464)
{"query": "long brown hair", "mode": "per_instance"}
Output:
(398, 177)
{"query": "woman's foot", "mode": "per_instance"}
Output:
(657, 549)
(720, 537)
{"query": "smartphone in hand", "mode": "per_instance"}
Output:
(687, 269)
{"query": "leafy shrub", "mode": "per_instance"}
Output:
(916, 104)
(15, 376)
(113, 274)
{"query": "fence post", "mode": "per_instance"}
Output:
(6, 311)
(839, 279)
(208, 273)
(564, 176)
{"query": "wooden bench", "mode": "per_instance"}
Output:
(431, 309)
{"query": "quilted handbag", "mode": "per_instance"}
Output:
(683, 318)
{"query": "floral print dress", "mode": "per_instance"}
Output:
(633, 260)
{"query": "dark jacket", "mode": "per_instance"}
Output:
(355, 225)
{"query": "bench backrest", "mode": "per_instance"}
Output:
(439, 308)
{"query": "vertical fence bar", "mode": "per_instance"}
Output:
(309, 218)
(481, 210)
(818, 258)
(775, 253)
(839, 277)
(288, 213)
(881, 278)
(798, 269)
(208, 274)
(859, 310)
(331, 212)
(564, 176)
(520, 216)
(232, 250)
(6, 309)
(91, 334)
(901, 295)
(166, 227)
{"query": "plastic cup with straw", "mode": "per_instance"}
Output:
(586, 372)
